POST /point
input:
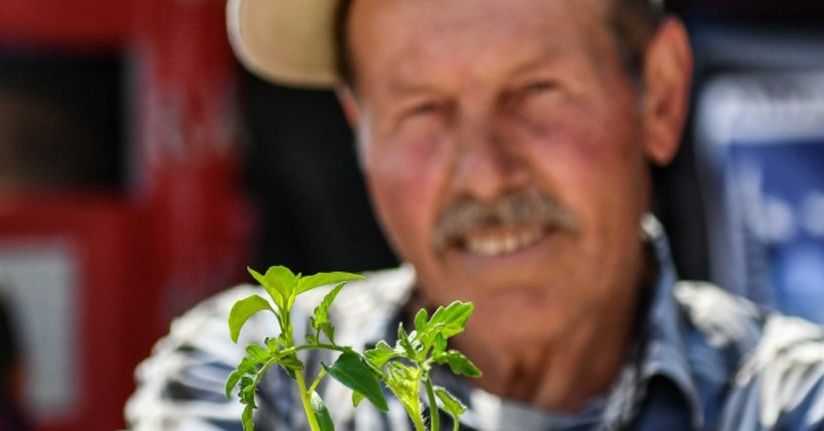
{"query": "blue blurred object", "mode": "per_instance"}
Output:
(759, 143)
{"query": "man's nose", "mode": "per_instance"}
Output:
(487, 162)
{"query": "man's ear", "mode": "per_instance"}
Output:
(349, 105)
(667, 76)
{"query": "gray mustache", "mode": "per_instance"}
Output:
(529, 206)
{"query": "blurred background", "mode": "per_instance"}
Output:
(141, 170)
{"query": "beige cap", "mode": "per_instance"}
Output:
(287, 42)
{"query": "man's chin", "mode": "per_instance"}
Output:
(511, 324)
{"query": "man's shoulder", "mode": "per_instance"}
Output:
(725, 320)
(777, 372)
(730, 321)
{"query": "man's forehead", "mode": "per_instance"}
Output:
(531, 33)
(408, 79)
(457, 12)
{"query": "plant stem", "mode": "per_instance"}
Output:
(307, 404)
(317, 380)
(286, 326)
(418, 421)
(434, 415)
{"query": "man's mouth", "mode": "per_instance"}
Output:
(504, 226)
(502, 240)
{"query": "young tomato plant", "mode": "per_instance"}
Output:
(404, 368)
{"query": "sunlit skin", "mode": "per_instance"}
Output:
(482, 98)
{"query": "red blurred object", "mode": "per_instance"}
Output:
(66, 23)
(180, 230)
(99, 231)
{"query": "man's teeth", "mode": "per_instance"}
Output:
(503, 244)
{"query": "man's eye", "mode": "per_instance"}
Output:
(425, 108)
(541, 86)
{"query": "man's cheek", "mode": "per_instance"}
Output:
(399, 205)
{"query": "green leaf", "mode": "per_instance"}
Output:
(451, 320)
(440, 346)
(243, 310)
(421, 320)
(380, 355)
(272, 286)
(247, 418)
(282, 340)
(351, 370)
(232, 381)
(283, 275)
(247, 391)
(451, 403)
(357, 397)
(321, 413)
(292, 362)
(271, 344)
(246, 366)
(406, 344)
(256, 354)
(320, 320)
(459, 364)
(324, 278)
(404, 381)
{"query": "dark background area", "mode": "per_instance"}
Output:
(61, 119)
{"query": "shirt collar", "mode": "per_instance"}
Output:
(666, 353)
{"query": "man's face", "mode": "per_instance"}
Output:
(503, 148)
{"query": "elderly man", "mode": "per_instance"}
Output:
(506, 146)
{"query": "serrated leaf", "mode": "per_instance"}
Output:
(320, 318)
(405, 344)
(421, 318)
(324, 278)
(351, 370)
(451, 404)
(243, 310)
(380, 355)
(459, 364)
(321, 413)
(256, 354)
(246, 366)
(450, 321)
(321, 314)
(357, 397)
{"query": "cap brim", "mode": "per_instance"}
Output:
(288, 42)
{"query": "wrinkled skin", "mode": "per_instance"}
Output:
(475, 101)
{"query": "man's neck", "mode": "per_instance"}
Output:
(566, 373)
(561, 376)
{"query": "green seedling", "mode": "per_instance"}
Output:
(403, 368)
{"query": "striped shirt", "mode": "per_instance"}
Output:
(705, 360)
